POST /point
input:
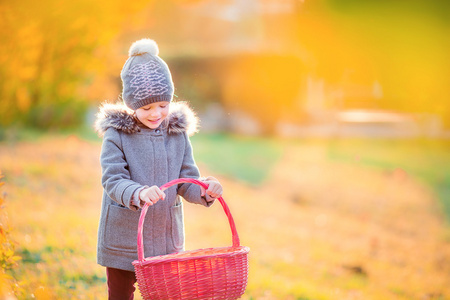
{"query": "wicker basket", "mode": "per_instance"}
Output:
(212, 273)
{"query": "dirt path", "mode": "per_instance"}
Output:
(360, 233)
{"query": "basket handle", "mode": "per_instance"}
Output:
(140, 244)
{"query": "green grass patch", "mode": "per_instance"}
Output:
(18, 134)
(248, 159)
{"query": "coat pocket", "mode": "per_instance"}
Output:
(177, 227)
(121, 229)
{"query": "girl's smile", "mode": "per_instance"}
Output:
(154, 120)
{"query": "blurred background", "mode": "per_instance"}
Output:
(337, 111)
(286, 67)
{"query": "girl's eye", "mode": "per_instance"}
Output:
(163, 106)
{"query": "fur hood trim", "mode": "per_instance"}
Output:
(181, 119)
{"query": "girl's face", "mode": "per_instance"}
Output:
(153, 114)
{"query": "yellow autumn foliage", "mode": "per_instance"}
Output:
(50, 52)
(8, 258)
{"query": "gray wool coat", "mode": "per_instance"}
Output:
(133, 156)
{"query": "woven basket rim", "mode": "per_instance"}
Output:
(217, 252)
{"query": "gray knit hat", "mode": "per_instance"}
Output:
(145, 77)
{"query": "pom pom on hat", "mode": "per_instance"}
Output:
(143, 46)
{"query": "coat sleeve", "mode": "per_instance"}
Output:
(115, 171)
(189, 191)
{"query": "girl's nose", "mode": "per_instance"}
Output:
(154, 112)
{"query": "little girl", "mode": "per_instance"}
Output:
(145, 144)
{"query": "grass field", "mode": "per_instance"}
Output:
(325, 219)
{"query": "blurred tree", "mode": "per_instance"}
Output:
(51, 50)
(264, 86)
(402, 45)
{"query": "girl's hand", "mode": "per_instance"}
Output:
(214, 190)
(151, 195)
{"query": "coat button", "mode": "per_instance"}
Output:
(157, 130)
